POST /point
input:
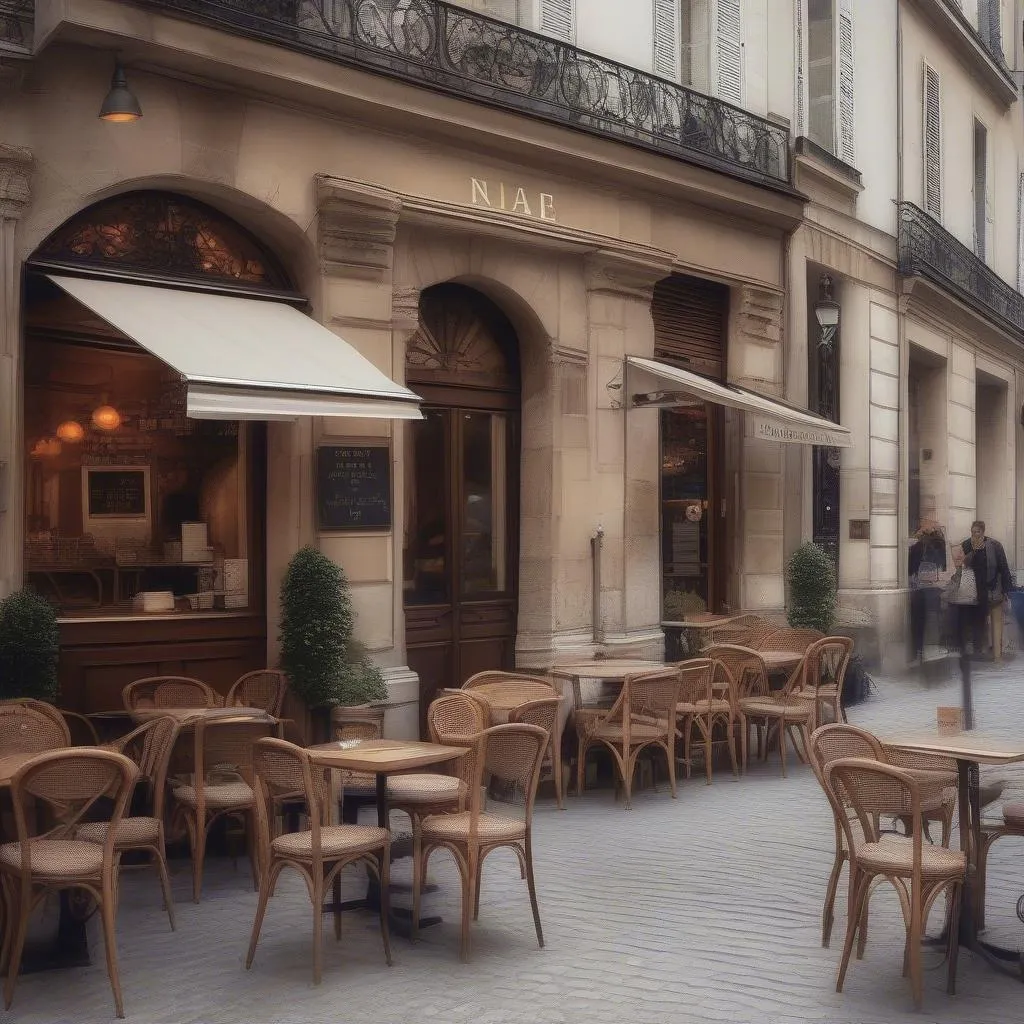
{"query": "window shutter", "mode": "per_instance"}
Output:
(666, 39)
(800, 104)
(932, 143)
(729, 51)
(980, 190)
(695, 25)
(690, 319)
(990, 25)
(558, 19)
(1020, 233)
(847, 86)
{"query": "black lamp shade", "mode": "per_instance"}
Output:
(120, 104)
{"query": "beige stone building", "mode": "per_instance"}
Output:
(213, 316)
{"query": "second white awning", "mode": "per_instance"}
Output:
(651, 384)
(246, 358)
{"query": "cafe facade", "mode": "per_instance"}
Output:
(525, 384)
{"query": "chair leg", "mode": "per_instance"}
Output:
(556, 768)
(782, 744)
(110, 945)
(257, 924)
(744, 743)
(385, 901)
(198, 854)
(531, 885)
(829, 912)
(670, 755)
(687, 738)
(21, 904)
(857, 890)
(953, 949)
(707, 727)
(468, 899)
(916, 979)
(165, 883)
(581, 766)
(730, 733)
(417, 880)
(628, 768)
(336, 905)
(317, 891)
(476, 896)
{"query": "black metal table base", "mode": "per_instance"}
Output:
(70, 948)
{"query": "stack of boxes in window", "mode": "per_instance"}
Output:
(235, 581)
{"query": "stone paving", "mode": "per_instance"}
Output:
(704, 908)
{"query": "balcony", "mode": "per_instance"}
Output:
(449, 49)
(928, 250)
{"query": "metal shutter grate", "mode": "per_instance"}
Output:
(690, 317)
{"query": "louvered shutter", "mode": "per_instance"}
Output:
(666, 39)
(800, 100)
(1020, 233)
(980, 190)
(695, 52)
(729, 51)
(847, 86)
(690, 317)
(558, 19)
(990, 25)
(932, 143)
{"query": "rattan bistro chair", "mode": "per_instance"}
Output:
(788, 639)
(918, 871)
(66, 784)
(702, 706)
(31, 727)
(825, 664)
(643, 716)
(264, 689)
(1011, 825)
(149, 747)
(169, 692)
(512, 754)
(318, 854)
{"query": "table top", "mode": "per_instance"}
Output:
(189, 716)
(9, 765)
(700, 620)
(610, 669)
(966, 746)
(781, 659)
(383, 756)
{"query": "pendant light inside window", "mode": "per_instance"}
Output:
(120, 105)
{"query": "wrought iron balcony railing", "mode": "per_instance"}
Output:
(449, 48)
(928, 250)
(16, 25)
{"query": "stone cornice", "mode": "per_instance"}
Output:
(15, 180)
(626, 273)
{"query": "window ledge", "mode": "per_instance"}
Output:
(818, 164)
(988, 68)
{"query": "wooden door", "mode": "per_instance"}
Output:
(462, 492)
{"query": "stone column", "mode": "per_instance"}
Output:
(15, 175)
(626, 462)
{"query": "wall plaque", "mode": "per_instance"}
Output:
(353, 487)
(860, 529)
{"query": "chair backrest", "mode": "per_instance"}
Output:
(168, 692)
(514, 687)
(80, 729)
(790, 640)
(740, 627)
(283, 771)
(227, 745)
(826, 662)
(903, 758)
(31, 727)
(150, 747)
(543, 713)
(838, 740)
(264, 689)
(695, 679)
(68, 783)
(869, 789)
(649, 698)
(454, 717)
(744, 667)
(512, 753)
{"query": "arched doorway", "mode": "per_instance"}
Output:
(460, 546)
(144, 526)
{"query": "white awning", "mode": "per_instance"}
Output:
(650, 384)
(246, 359)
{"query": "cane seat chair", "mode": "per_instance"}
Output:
(31, 727)
(319, 853)
(789, 639)
(1011, 825)
(60, 788)
(825, 665)
(747, 631)
(513, 754)
(643, 716)
(168, 692)
(706, 699)
(149, 747)
(918, 871)
(264, 689)
(942, 794)
(219, 785)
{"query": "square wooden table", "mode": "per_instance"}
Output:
(189, 716)
(969, 750)
(607, 670)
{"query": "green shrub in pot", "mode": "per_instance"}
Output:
(29, 647)
(812, 589)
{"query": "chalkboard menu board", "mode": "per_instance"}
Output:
(117, 492)
(353, 487)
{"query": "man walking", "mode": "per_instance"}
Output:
(992, 574)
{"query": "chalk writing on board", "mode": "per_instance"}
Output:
(117, 492)
(353, 487)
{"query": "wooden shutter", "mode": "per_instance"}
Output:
(690, 317)
(695, 51)
(990, 25)
(932, 143)
(558, 19)
(666, 39)
(847, 86)
(1020, 233)
(980, 190)
(800, 99)
(729, 51)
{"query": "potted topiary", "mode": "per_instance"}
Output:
(29, 647)
(327, 668)
(812, 589)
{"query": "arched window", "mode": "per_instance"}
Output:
(162, 235)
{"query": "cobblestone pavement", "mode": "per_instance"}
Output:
(704, 908)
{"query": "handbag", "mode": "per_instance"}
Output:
(965, 587)
(927, 574)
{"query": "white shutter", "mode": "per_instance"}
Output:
(1020, 233)
(695, 24)
(800, 100)
(932, 143)
(558, 19)
(666, 39)
(729, 51)
(980, 191)
(847, 86)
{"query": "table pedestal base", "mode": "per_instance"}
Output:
(70, 948)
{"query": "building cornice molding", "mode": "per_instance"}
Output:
(356, 228)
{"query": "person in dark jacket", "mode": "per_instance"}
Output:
(927, 561)
(992, 575)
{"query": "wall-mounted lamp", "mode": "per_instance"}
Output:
(120, 104)
(826, 312)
